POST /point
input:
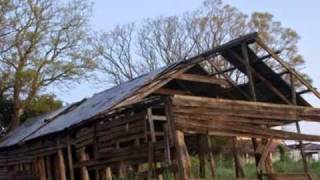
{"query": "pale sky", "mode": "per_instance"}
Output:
(302, 16)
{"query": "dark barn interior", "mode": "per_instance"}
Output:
(147, 127)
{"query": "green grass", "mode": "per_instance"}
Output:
(225, 168)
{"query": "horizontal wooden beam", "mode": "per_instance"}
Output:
(167, 91)
(238, 129)
(202, 79)
(236, 108)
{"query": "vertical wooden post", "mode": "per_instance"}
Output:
(202, 154)
(56, 167)
(83, 169)
(42, 168)
(151, 164)
(49, 168)
(294, 101)
(151, 125)
(62, 168)
(108, 173)
(237, 160)
(97, 173)
(167, 144)
(254, 98)
(211, 158)
(70, 161)
(123, 170)
(105, 173)
(151, 144)
(182, 155)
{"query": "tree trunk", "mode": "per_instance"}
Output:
(15, 119)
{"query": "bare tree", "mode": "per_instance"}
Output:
(166, 38)
(43, 42)
(161, 41)
(116, 54)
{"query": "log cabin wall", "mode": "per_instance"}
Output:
(121, 145)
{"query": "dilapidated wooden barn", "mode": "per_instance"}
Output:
(147, 127)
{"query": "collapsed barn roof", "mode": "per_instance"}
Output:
(135, 90)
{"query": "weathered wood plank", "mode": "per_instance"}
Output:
(202, 79)
(247, 109)
(61, 167)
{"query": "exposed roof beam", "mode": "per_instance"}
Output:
(202, 79)
(167, 91)
(288, 67)
(261, 78)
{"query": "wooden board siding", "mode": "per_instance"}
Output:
(239, 118)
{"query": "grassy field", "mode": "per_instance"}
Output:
(225, 168)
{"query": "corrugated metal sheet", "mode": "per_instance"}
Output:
(100, 102)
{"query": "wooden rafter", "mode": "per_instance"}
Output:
(202, 79)
(287, 66)
(167, 91)
(260, 77)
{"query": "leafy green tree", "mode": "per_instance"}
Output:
(39, 105)
(42, 43)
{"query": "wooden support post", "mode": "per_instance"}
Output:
(122, 170)
(253, 96)
(237, 160)
(56, 167)
(167, 144)
(182, 155)
(202, 140)
(83, 169)
(211, 158)
(70, 162)
(42, 168)
(264, 156)
(294, 101)
(97, 173)
(249, 70)
(151, 125)
(61, 167)
(151, 163)
(108, 173)
(49, 168)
